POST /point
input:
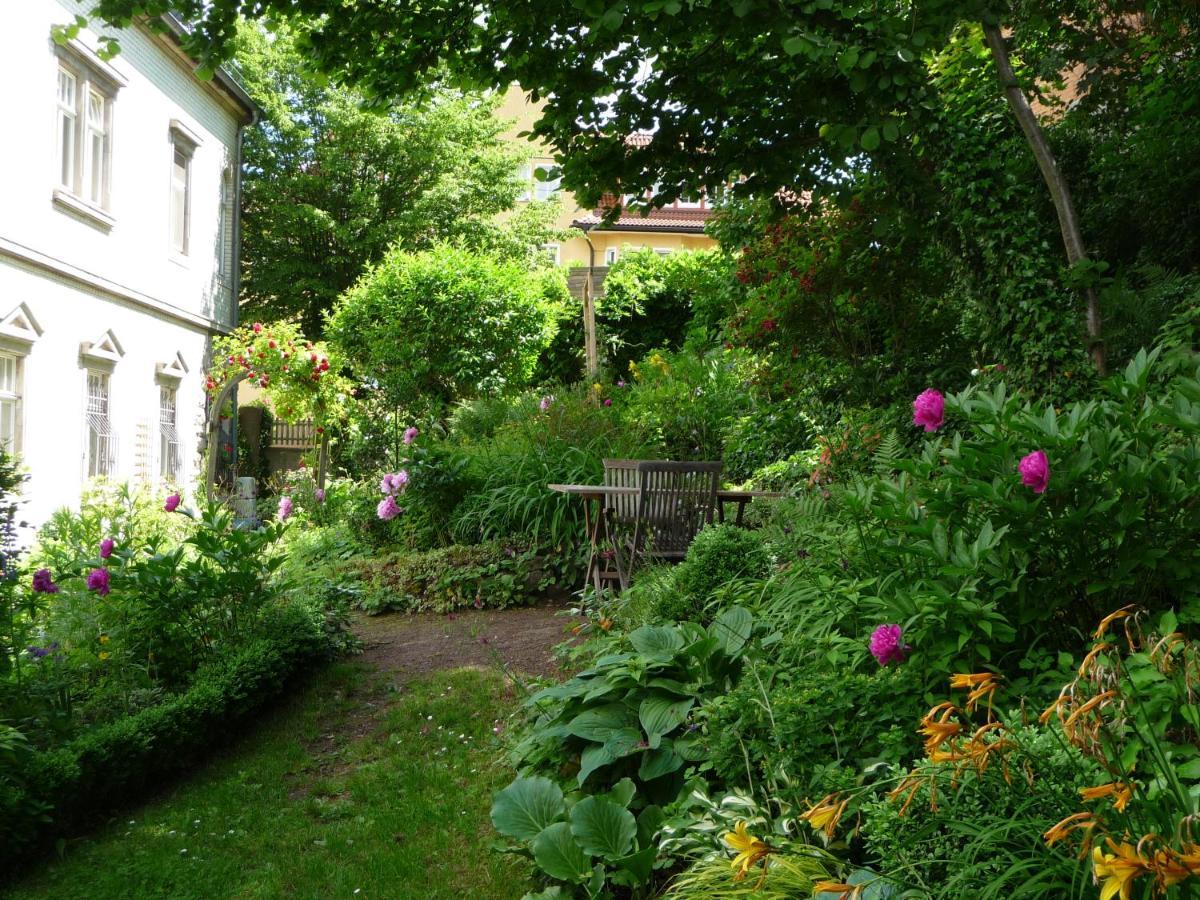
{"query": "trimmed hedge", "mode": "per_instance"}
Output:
(55, 792)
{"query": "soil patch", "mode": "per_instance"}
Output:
(410, 645)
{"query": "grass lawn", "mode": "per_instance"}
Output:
(351, 789)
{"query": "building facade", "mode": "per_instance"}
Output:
(679, 226)
(118, 252)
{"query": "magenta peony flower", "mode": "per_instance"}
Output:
(43, 583)
(172, 503)
(410, 434)
(1035, 471)
(97, 581)
(387, 508)
(608, 401)
(319, 493)
(285, 508)
(547, 402)
(106, 548)
(887, 645)
(929, 409)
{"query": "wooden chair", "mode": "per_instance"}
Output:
(674, 501)
(619, 512)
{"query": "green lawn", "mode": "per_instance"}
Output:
(351, 789)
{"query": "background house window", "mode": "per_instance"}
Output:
(684, 203)
(168, 434)
(84, 135)
(525, 176)
(552, 252)
(181, 200)
(224, 217)
(544, 190)
(610, 256)
(10, 402)
(663, 251)
(101, 442)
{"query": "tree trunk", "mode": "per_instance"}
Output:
(1060, 193)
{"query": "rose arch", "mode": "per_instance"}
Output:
(294, 373)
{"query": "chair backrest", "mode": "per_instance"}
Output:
(675, 500)
(622, 473)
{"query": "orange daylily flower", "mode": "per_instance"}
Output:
(1090, 659)
(1118, 790)
(825, 815)
(981, 685)
(1063, 829)
(843, 890)
(1123, 612)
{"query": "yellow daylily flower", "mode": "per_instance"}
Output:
(825, 815)
(1117, 870)
(750, 850)
(104, 655)
(104, 638)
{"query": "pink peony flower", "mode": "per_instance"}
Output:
(547, 402)
(394, 482)
(387, 508)
(172, 503)
(106, 548)
(43, 583)
(1035, 471)
(929, 410)
(410, 434)
(319, 493)
(285, 508)
(608, 401)
(97, 581)
(887, 645)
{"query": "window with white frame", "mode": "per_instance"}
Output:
(84, 132)
(101, 441)
(181, 196)
(525, 176)
(552, 252)
(224, 217)
(10, 402)
(663, 251)
(610, 256)
(684, 203)
(168, 433)
(544, 190)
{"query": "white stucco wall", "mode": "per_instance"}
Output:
(81, 278)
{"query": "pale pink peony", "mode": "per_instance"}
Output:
(546, 402)
(1035, 471)
(387, 508)
(285, 508)
(929, 410)
(410, 434)
(887, 644)
(319, 493)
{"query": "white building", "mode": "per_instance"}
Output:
(118, 252)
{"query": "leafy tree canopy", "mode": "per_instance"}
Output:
(329, 186)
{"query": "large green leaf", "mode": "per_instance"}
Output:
(656, 763)
(660, 714)
(524, 808)
(658, 641)
(732, 629)
(603, 828)
(640, 865)
(559, 856)
(592, 758)
(601, 723)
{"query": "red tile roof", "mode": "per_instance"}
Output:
(683, 220)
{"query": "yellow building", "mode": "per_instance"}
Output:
(679, 226)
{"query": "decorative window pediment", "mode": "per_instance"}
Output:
(103, 353)
(19, 329)
(172, 370)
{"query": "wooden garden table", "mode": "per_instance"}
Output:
(594, 495)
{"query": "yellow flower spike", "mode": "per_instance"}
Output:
(597, 387)
(1121, 613)
(750, 850)
(1063, 829)
(1115, 872)
(825, 815)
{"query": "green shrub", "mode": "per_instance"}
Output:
(720, 554)
(982, 834)
(52, 793)
(495, 574)
(796, 722)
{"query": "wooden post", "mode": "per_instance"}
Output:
(591, 353)
(214, 432)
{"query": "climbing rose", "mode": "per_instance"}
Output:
(172, 503)
(97, 581)
(387, 508)
(410, 434)
(285, 508)
(106, 548)
(319, 493)
(887, 645)
(929, 409)
(43, 583)
(1035, 471)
